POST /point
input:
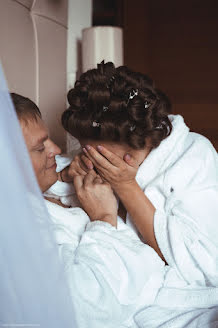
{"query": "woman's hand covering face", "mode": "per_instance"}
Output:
(112, 168)
(96, 197)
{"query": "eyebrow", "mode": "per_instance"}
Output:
(40, 141)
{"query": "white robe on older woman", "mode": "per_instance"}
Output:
(111, 274)
(180, 177)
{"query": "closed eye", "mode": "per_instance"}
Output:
(41, 149)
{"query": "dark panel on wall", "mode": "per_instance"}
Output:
(107, 12)
(136, 34)
(176, 43)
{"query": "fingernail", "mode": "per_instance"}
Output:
(88, 147)
(128, 157)
(99, 148)
(85, 151)
(90, 166)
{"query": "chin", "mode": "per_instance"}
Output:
(52, 180)
(55, 179)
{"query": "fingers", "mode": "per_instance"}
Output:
(113, 158)
(130, 160)
(89, 179)
(81, 165)
(87, 162)
(98, 180)
(98, 160)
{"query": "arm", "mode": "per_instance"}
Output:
(186, 228)
(109, 271)
(111, 276)
(121, 177)
(141, 210)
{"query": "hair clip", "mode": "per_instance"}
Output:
(132, 128)
(95, 124)
(161, 125)
(147, 104)
(105, 108)
(132, 94)
(111, 80)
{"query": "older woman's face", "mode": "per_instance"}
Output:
(42, 151)
(120, 150)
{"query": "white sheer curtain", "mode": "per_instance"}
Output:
(32, 283)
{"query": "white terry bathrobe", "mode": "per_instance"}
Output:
(111, 274)
(180, 177)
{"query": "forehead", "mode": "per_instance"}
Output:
(34, 131)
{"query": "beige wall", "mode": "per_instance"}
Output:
(33, 50)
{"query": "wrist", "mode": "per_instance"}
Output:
(112, 219)
(124, 187)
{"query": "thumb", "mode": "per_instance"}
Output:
(130, 160)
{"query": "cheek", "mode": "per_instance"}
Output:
(142, 157)
(39, 163)
(139, 158)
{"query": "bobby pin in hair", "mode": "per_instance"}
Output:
(161, 126)
(132, 94)
(110, 81)
(132, 128)
(147, 104)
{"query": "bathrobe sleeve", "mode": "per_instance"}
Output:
(111, 274)
(186, 229)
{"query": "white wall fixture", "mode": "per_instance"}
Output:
(101, 43)
(79, 17)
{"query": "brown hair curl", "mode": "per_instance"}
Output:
(102, 95)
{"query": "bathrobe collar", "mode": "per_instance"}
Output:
(165, 154)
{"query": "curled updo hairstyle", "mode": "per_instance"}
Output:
(102, 108)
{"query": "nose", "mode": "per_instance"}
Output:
(53, 149)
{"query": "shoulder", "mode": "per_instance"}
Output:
(197, 163)
(200, 142)
(201, 151)
(197, 147)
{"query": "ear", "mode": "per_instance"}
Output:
(130, 160)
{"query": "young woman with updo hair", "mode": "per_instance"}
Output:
(164, 176)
